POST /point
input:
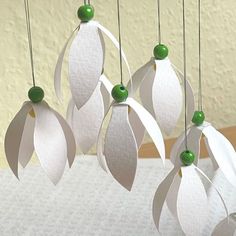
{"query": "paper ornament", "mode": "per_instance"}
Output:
(118, 152)
(37, 127)
(86, 57)
(226, 227)
(219, 148)
(86, 121)
(186, 197)
(161, 93)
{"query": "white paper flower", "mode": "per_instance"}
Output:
(86, 121)
(161, 93)
(118, 152)
(219, 148)
(86, 61)
(186, 197)
(37, 127)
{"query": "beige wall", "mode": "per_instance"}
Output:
(53, 21)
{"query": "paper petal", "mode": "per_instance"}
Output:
(13, 137)
(114, 41)
(85, 63)
(192, 205)
(160, 196)
(57, 73)
(69, 112)
(138, 77)
(145, 90)
(87, 121)
(171, 199)
(120, 147)
(189, 95)
(49, 142)
(70, 140)
(223, 153)
(167, 96)
(27, 142)
(106, 88)
(194, 135)
(137, 127)
(150, 125)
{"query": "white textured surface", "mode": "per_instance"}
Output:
(87, 202)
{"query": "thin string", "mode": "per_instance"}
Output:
(185, 76)
(120, 41)
(27, 16)
(159, 20)
(199, 58)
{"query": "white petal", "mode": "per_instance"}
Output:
(13, 137)
(120, 147)
(114, 41)
(57, 72)
(138, 77)
(137, 127)
(145, 90)
(87, 121)
(49, 142)
(160, 196)
(194, 135)
(223, 153)
(192, 205)
(150, 125)
(106, 88)
(171, 199)
(167, 96)
(189, 95)
(69, 112)
(85, 63)
(27, 142)
(70, 140)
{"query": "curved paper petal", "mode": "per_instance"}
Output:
(189, 95)
(160, 196)
(137, 127)
(69, 112)
(150, 125)
(87, 121)
(223, 153)
(85, 63)
(145, 90)
(167, 96)
(49, 141)
(138, 77)
(27, 141)
(57, 72)
(171, 199)
(13, 137)
(106, 88)
(120, 147)
(192, 205)
(194, 137)
(114, 41)
(70, 140)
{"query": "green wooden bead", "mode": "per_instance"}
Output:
(36, 94)
(85, 13)
(160, 52)
(119, 93)
(198, 117)
(187, 157)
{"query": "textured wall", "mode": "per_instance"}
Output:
(53, 21)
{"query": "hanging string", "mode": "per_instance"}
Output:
(120, 41)
(28, 26)
(199, 58)
(185, 76)
(159, 20)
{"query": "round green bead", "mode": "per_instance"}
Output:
(36, 94)
(119, 93)
(187, 157)
(85, 13)
(160, 52)
(198, 117)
